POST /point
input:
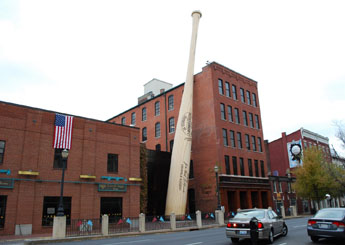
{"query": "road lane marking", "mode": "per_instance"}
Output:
(297, 226)
(194, 243)
(128, 242)
(282, 243)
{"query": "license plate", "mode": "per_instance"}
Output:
(323, 226)
(243, 232)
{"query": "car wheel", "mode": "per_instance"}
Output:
(234, 240)
(314, 238)
(285, 230)
(270, 237)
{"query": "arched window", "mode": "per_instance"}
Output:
(143, 114)
(171, 125)
(171, 102)
(157, 108)
(144, 134)
(157, 130)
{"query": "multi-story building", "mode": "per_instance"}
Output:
(101, 175)
(227, 132)
(281, 161)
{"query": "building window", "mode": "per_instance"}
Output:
(112, 165)
(242, 95)
(250, 167)
(112, 206)
(234, 165)
(254, 99)
(157, 130)
(158, 147)
(245, 121)
(254, 143)
(143, 114)
(58, 161)
(239, 140)
(262, 165)
(280, 187)
(157, 108)
(227, 164)
(3, 201)
(171, 102)
(220, 86)
(227, 89)
(191, 170)
(2, 151)
(230, 113)
(234, 92)
(222, 111)
(50, 206)
(289, 187)
(251, 121)
(144, 134)
(259, 144)
(123, 121)
(256, 165)
(274, 187)
(133, 118)
(171, 125)
(257, 122)
(232, 138)
(225, 137)
(247, 142)
(237, 116)
(171, 145)
(241, 166)
(248, 98)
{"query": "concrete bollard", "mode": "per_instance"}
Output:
(59, 227)
(293, 211)
(282, 211)
(173, 221)
(141, 222)
(219, 217)
(198, 219)
(105, 225)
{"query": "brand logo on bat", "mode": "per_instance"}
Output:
(186, 124)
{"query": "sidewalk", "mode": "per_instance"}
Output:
(47, 238)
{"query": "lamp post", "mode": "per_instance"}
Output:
(60, 211)
(216, 169)
(329, 199)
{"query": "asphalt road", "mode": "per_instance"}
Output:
(297, 235)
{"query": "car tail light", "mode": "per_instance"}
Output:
(260, 225)
(311, 222)
(234, 225)
(229, 225)
(338, 224)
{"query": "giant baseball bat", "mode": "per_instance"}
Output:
(180, 158)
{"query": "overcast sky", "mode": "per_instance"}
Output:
(92, 58)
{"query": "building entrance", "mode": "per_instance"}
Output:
(111, 206)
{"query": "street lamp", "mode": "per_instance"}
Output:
(216, 169)
(296, 151)
(64, 155)
(329, 199)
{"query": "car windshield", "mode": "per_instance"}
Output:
(259, 214)
(328, 213)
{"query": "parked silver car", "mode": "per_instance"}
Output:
(327, 223)
(269, 225)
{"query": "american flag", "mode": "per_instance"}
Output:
(63, 131)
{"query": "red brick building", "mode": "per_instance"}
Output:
(281, 163)
(227, 132)
(101, 175)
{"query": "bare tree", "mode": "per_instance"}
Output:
(340, 134)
